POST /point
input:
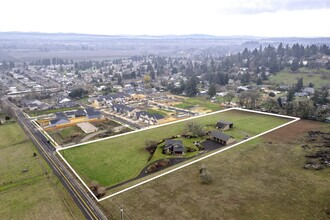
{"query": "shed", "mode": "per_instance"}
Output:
(224, 125)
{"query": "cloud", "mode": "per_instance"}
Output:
(271, 6)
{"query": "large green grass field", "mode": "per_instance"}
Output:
(119, 159)
(260, 179)
(28, 189)
(202, 102)
(286, 77)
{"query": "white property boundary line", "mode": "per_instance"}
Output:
(185, 165)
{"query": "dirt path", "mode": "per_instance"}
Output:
(91, 136)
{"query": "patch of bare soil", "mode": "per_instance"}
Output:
(317, 150)
(292, 132)
(314, 141)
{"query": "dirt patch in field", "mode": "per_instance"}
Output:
(292, 131)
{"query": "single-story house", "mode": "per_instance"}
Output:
(59, 121)
(173, 147)
(221, 138)
(224, 125)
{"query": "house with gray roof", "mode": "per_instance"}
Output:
(173, 147)
(59, 121)
(92, 113)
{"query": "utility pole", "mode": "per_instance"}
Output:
(122, 213)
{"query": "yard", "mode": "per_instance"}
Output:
(74, 135)
(28, 189)
(261, 179)
(49, 111)
(122, 158)
(67, 135)
(286, 77)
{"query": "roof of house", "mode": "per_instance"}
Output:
(221, 136)
(224, 122)
(60, 115)
(157, 116)
(92, 112)
(70, 113)
(174, 145)
(173, 142)
(57, 120)
(80, 112)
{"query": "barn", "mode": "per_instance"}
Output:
(221, 138)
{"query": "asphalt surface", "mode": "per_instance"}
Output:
(82, 198)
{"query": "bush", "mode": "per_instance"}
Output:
(205, 176)
(151, 168)
(190, 149)
(272, 94)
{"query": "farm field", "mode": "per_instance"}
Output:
(28, 189)
(260, 179)
(286, 77)
(122, 158)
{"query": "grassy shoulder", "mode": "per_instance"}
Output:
(28, 190)
(119, 159)
(260, 179)
(318, 78)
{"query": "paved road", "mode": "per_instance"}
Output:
(83, 199)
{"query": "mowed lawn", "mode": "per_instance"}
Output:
(25, 191)
(119, 159)
(260, 179)
(286, 77)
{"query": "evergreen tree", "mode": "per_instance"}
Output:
(212, 90)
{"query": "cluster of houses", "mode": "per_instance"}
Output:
(33, 105)
(64, 117)
(136, 114)
(176, 147)
(118, 104)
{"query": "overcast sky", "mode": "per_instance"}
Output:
(264, 18)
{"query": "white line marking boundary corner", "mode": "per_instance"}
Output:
(185, 165)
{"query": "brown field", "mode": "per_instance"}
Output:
(261, 179)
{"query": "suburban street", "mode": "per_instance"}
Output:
(81, 197)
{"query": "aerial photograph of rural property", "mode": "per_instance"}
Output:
(164, 110)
